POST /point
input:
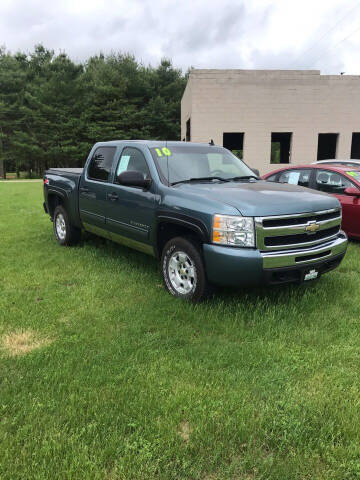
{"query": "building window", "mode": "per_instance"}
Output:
(355, 145)
(327, 144)
(234, 141)
(188, 130)
(280, 147)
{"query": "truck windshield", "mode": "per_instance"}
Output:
(184, 162)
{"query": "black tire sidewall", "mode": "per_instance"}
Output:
(194, 254)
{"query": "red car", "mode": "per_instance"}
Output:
(339, 180)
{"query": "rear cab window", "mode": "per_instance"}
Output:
(101, 163)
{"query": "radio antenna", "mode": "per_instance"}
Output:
(167, 164)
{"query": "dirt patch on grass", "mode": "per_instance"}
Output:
(22, 342)
(184, 431)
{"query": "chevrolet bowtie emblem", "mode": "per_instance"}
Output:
(312, 227)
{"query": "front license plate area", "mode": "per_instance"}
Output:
(311, 274)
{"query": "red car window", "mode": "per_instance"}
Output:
(331, 182)
(272, 178)
(354, 175)
(300, 176)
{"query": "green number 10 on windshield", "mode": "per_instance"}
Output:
(164, 151)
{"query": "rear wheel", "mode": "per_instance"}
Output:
(183, 270)
(65, 233)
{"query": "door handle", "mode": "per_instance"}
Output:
(112, 196)
(84, 190)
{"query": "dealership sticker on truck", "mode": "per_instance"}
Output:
(166, 151)
(123, 164)
(311, 275)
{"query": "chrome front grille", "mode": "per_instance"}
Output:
(301, 230)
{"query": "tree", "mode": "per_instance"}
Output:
(12, 87)
(53, 110)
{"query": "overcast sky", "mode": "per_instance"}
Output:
(318, 34)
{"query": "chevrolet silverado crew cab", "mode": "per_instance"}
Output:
(201, 211)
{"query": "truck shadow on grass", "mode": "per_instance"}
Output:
(272, 294)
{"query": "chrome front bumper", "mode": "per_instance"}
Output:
(302, 257)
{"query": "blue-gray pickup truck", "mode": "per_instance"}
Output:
(201, 211)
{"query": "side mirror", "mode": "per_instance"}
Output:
(132, 178)
(352, 191)
(256, 171)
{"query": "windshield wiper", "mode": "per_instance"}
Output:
(200, 179)
(243, 177)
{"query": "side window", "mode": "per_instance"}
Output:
(331, 182)
(101, 163)
(132, 159)
(272, 178)
(299, 177)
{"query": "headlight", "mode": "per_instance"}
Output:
(233, 230)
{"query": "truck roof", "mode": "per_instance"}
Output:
(153, 143)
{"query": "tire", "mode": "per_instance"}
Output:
(65, 233)
(183, 270)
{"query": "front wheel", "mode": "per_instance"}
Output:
(183, 270)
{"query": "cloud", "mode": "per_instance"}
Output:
(204, 34)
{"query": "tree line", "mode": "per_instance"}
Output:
(52, 110)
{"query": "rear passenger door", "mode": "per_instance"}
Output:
(92, 189)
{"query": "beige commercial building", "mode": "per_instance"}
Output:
(273, 117)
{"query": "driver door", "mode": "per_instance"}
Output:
(130, 211)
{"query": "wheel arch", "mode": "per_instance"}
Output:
(171, 226)
(55, 198)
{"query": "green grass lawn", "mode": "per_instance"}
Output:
(103, 375)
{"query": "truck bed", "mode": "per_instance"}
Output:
(64, 183)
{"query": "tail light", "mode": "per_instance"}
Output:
(46, 181)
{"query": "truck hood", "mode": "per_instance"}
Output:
(262, 198)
